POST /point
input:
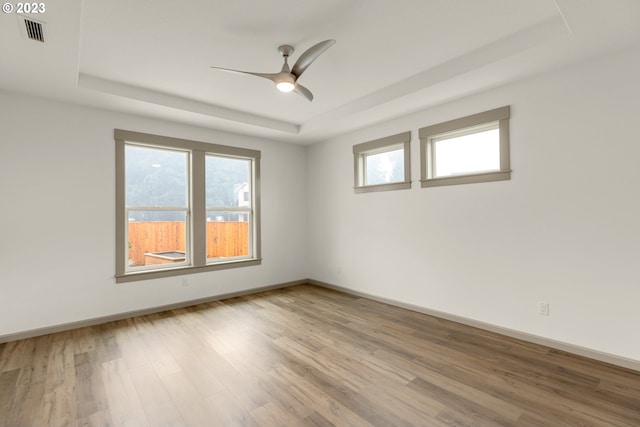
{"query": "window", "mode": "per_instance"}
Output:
(184, 206)
(383, 164)
(156, 207)
(228, 207)
(466, 150)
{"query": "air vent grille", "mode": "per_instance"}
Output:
(34, 30)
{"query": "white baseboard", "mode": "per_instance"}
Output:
(129, 314)
(536, 339)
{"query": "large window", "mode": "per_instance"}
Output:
(383, 164)
(184, 206)
(466, 150)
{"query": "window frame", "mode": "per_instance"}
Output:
(196, 217)
(459, 127)
(381, 145)
(185, 209)
(238, 210)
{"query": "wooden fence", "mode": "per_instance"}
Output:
(224, 239)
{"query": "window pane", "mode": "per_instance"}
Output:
(227, 185)
(384, 168)
(227, 181)
(155, 177)
(476, 152)
(155, 241)
(227, 234)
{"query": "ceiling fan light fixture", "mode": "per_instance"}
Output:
(286, 84)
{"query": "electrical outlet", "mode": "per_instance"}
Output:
(543, 308)
(185, 282)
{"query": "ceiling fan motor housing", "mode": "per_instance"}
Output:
(285, 50)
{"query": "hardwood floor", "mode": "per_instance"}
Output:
(304, 356)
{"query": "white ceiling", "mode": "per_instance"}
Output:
(153, 57)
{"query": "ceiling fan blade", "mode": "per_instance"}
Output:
(270, 76)
(309, 56)
(303, 91)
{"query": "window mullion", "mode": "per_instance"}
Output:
(199, 211)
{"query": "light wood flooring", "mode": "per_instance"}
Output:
(304, 356)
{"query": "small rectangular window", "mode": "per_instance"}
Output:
(383, 164)
(467, 150)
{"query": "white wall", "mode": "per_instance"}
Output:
(565, 229)
(57, 216)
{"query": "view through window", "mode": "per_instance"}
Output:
(474, 152)
(228, 206)
(157, 204)
(186, 206)
(383, 164)
(385, 167)
(467, 150)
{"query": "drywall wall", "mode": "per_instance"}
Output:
(564, 230)
(57, 221)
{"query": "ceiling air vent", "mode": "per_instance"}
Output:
(32, 29)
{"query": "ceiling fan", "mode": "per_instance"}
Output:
(287, 79)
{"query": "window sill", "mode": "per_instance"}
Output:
(467, 179)
(383, 187)
(180, 271)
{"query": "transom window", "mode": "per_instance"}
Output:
(467, 150)
(183, 206)
(383, 164)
